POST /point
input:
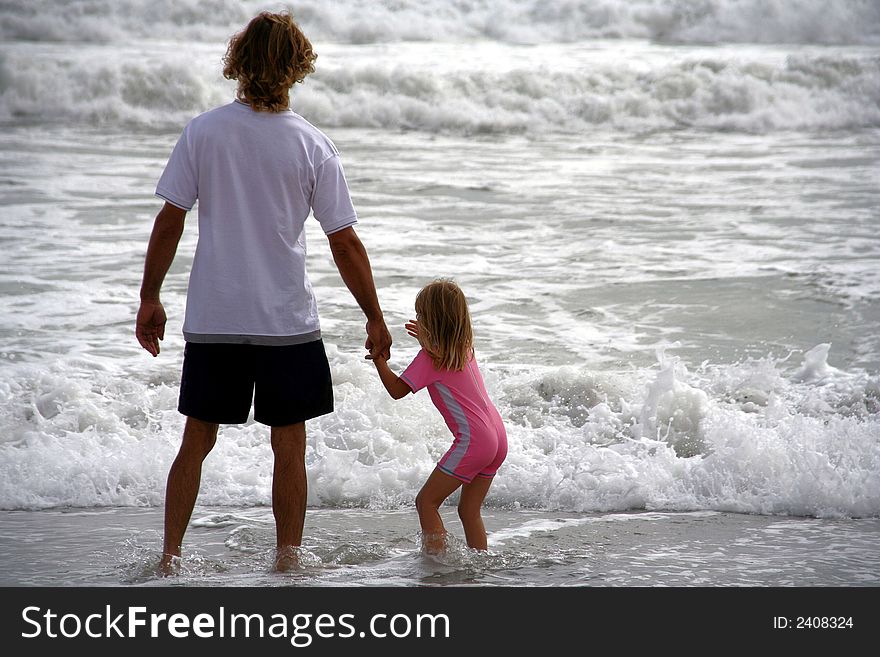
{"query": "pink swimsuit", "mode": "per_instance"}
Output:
(480, 443)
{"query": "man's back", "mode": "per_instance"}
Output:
(257, 175)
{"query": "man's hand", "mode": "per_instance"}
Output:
(150, 325)
(378, 341)
(167, 229)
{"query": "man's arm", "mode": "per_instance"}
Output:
(167, 229)
(395, 386)
(353, 264)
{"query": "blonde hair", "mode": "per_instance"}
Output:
(445, 324)
(267, 58)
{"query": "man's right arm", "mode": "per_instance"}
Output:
(353, 264)
(167, 229)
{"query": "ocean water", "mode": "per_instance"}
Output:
(664, 215)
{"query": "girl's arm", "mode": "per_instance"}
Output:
(395, 386)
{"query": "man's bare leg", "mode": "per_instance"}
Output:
(289, 491)
(183, 486)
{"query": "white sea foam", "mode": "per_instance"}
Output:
(513, 89)
(517, 21)
(140, 64)
(802, 92)
(747, 437)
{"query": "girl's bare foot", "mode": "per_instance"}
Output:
(434, 543)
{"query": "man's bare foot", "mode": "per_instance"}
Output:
(286, 559)
(169, 565)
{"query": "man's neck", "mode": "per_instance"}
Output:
(283, 108)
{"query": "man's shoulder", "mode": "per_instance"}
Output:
(314, 134)
(222, 119)
(214, 113)
(207, 119)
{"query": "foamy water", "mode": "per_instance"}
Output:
(664, 215)
(516, 21)
(485, 87)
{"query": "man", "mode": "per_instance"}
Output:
(251, 326)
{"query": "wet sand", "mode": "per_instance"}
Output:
(357, 547)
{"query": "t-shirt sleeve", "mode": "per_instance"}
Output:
(421, 372)
(179, 181)
(331, 199)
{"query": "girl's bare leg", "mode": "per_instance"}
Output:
(472, 496)
(435, 491)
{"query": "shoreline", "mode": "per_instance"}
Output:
(232, 546)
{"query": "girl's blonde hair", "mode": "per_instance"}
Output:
(445, 324)
(267, 58)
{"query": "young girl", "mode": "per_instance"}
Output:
(446, 366)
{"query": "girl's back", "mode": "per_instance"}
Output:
(460, 396)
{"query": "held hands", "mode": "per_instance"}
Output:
(394, 385)
(378, 341)
(412, 327)
(150, 325)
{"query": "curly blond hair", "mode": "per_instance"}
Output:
(445, 324)
(267, 58)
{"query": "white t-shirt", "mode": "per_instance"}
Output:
(256, 175)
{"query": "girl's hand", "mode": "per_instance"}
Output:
(412, 327)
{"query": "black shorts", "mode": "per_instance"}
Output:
(286, 385)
